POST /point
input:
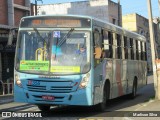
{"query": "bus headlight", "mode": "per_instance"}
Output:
(18, 81)
(84, 81)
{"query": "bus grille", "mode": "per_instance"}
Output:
(60, 87)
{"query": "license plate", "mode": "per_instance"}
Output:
(46, 97)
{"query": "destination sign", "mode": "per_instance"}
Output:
(59, 21)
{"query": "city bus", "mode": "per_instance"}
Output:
(76, 60)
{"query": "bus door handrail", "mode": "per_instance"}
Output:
(42, 53)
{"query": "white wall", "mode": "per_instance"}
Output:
(95, 8)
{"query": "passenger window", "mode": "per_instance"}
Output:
(119, 50)
(131, 49)
(137, 52)
(107, 44)
(143, 51)
(96, 39)
(139, 49)
(97, 46)
(125, 47)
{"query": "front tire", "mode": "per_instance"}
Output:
(43, 107)
(102, 106)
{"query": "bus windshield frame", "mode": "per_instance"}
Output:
(44, 54)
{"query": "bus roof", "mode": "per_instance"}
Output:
(106, 23)
(120, 29)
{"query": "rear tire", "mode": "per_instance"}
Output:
(44, 107)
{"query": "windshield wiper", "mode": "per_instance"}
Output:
(35, 29)
(44, 40)
(65, 37)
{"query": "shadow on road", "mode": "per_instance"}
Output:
(113, 105)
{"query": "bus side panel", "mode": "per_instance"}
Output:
(144, 73)
(119, 85)
(108, 73)
(98, 81)
(140, 75)
(102, 72)
(124, 75)
(132, 72)
(114, 87)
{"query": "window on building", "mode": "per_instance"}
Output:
(114, 21)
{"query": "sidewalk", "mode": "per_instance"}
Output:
(147, 110)
(6, 98)
(152, 105)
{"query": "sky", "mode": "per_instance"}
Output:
(128, 6)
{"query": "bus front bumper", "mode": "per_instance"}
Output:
(82, 97)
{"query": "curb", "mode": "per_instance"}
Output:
(6, 98)
(6, 101)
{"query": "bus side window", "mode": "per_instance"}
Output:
(119, 51)
(139, 49)
(131, 49)
(125, 47)
(141, 53)
(97, 41)
(137, 54)
(107, 44)
(97, 44)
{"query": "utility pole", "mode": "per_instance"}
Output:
(36, 6)
(152, 40)
(159, 15)
(158, 70)
(159, 6)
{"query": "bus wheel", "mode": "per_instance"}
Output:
(44, 107)
(134, 90)
(102, 106)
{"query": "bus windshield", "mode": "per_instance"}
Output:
(53, 52)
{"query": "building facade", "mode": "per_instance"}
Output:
(11, 11)
(140, 24)
(106, 10)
